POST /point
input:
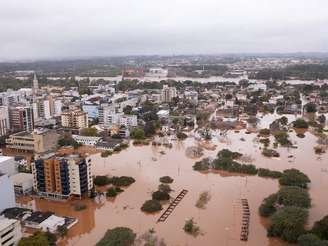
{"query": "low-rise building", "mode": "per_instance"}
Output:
(23, 183)
(86, 140)
(39, 141)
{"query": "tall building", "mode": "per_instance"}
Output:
(42, 108)
(108, 117)
(58, 105)
(4, 121)
(21, 118)
(75, 119)
(10, 232)
(62, 176)
(168, 93)
(35, 87)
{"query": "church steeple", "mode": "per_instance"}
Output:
(35, 87)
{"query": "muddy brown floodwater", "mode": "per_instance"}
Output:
(220, 221)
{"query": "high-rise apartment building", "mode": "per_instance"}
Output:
(21, 118)
(62, 176)
(168, 93)
(4, 121)
(75, 119)
(108, 117)
(41, 109)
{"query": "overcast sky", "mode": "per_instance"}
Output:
(38, 29)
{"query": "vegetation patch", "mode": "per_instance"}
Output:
(264, 132)
(191, 228)
(294, 177)
(265, 142)
(282, 138)
(164, 188)
(270, 153)
(300, 123)
(39, 238)
(121, 181)
(264, 172)
(181, 135)
(101, 180)
(151, 206)
(106, 153)
(203, 199)
(160, 196)
(111, 192)
(119, 236)
(202, 165)
(288, 223)
(166, 180)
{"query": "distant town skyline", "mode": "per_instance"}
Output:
(59, 29)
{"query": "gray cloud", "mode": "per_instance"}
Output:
(61, 28)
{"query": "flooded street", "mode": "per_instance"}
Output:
(220, 221)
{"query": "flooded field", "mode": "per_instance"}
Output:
(220, 221)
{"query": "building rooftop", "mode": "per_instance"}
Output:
(4, 223)
(38, 217)
(15, 212)
(5, 158)
(21, 177)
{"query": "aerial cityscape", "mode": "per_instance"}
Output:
(110, 141)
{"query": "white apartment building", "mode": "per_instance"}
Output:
(128, 120)
(58, 107)
(4, 121)
(76, 119)
(86, 140)
(76, 176)
(41, 109)
(108, 117)
(168, 93)
(10, 232)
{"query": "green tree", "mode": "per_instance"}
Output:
(310, 108)
(288, 223)
(38, 239)
(137, 133)
(294, 177)
(294, 196)
(311, 240)
(320, 228)
(90, 132)
(119, 236)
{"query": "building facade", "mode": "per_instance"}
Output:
(168, 93)
(108, 117)
(10, 232)
(21, 118)
(75, 119)
(4, 121)
(39, 141)
(61, 177)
